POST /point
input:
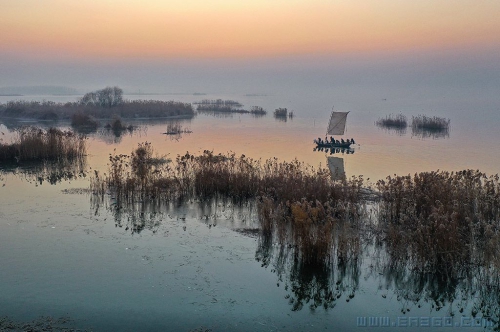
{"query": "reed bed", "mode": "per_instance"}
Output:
(34, 144)
(392, 121)
(220, 102)
(219, 105)
(47, 110)
(175, 128)
(439, 231)
(281, 112)
(426, 126)
(441, 221)
(292, 193)
(258, 111)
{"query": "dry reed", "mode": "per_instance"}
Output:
(34, 144)
(398, 121)
(441, 221)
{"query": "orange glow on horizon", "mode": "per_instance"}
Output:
(195, 29)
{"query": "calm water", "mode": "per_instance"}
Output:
(63, 255)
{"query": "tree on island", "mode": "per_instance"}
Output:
(107, 97)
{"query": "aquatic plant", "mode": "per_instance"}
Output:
(288, 194)
(175, 128)
(34, 144)
(398, 121)
(315, 253)
(219, 105)
(280, 112)
(257, 110)
(426, 126)
(440, 220)
(209, 175)
(82, 120)
(100, 104)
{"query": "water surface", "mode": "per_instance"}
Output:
(197, 265)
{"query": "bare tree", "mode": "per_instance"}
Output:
(107, 97)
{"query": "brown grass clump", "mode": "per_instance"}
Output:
(34, 144)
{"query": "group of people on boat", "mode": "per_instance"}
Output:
(333, 141)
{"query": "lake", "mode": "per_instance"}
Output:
(201, 265)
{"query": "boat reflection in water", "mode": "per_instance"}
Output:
(335, 150)
(336, 166)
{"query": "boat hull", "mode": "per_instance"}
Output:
(332, 145)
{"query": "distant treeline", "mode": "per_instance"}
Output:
(103, 103)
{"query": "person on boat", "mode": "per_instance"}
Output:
(332, 140)
(337, 142)
(342, 140)
(352, 141)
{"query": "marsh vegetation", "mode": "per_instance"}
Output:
(422, 125)
(176, 128)
(257, 111)
(436, 230)
(100, 104)
(393, 121)
(397, 123)
(34, 144)
(219, 105)
(281, 112)
(426, 126)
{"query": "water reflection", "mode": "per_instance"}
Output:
(469, 290)
(322, 263)
(334, 150)
(52, 172)
(13, 124)
(312, 283)
(114, 136)
(437, 133)
(336, 166)
(396, 130)
(136, 217)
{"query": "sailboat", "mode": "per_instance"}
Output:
(336, 126)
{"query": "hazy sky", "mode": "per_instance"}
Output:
(36, 37)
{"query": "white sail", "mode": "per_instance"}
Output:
(337, 123)
(336, 166)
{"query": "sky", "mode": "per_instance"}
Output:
(55, 40)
